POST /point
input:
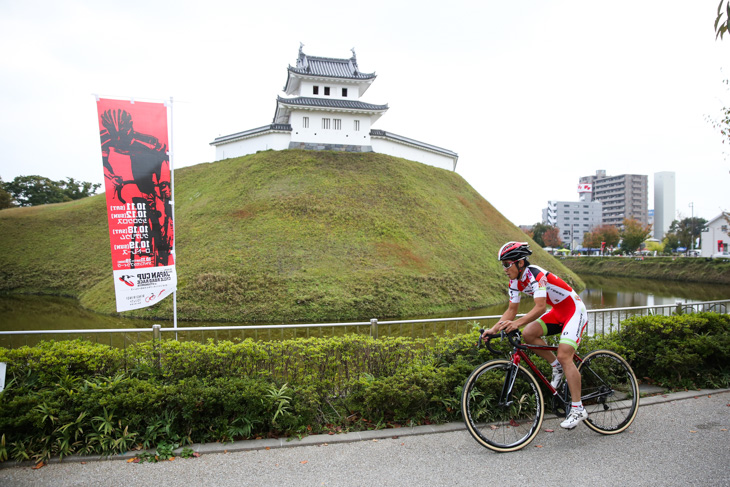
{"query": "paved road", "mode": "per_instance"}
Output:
(676, 440)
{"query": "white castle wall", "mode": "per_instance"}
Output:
(393, 148)
(251, 145)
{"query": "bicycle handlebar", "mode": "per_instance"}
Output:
(514, 338)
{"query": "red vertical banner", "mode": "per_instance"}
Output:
(137, 179)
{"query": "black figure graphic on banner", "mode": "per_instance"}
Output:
(139, 167)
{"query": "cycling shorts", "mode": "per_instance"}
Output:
(570, 319)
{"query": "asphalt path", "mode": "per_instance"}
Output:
(677, 439)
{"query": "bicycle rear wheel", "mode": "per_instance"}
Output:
(499, 422)
(610, 392)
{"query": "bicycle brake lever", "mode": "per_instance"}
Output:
(480, 339)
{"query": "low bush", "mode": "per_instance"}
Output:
(74, 397)
(684, 351)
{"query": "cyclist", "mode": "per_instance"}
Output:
(568, 316)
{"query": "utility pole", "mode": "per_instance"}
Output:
(692, 225)
(572, 240)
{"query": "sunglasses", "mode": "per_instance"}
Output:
(507, 266)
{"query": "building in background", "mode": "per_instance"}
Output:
(664, 203)
(624, 196)
(573, 218)
(715, 239)
(324, 112)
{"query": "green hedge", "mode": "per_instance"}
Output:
(75, 397)
(685, 351)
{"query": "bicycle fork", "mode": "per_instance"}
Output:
(509, 382)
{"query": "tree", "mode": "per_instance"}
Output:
(722, 124)
(688, 230)
(78, 189)
(6, 199)
(591, 240)
(38, 190)
(721, 26)
(538, 230)
(671, 242)
(603, 233)
(633, 235)
(551, 237)
(655, 246)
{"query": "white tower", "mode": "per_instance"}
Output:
(326, 111)
(664, 203)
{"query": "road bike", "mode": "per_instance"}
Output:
(503, 406)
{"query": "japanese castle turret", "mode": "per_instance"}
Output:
(323, 111)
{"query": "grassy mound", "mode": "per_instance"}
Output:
(287, 236)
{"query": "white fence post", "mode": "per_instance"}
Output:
(3, 369)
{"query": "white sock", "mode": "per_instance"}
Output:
(556, 364)
(577, 405)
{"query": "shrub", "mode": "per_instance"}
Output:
(72, 397)
(691, 350)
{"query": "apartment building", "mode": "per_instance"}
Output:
(573, 218)
(624, 196)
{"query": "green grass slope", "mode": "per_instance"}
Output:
(287, 236)
(690, 269)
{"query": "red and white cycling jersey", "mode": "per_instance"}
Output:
(568, 315)
(539, 283)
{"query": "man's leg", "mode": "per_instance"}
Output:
(577, 412)
(572, 376)
(532, 334)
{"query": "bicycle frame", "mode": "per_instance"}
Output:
(516, 357)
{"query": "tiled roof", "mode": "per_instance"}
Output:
(273, 127)
(382, 134)
(304, 101)
(329, 67)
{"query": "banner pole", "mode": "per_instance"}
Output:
(172, 203)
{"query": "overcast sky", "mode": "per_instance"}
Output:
(531, 95)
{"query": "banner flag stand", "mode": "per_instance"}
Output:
(136, 150)
(171, 153)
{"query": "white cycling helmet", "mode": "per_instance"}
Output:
(514, 251)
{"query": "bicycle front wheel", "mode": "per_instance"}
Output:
(610, 392)
(500, 417)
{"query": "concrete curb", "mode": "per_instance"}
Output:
(658, 396)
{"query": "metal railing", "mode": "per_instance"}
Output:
(600, 321)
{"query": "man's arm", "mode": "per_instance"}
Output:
(537, 311)
(507, 317)
(511, 312)
(508, 325)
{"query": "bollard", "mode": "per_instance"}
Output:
(156, 334)
(374, 328)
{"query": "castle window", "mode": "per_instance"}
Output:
(326, 91)
(305, 122)
(344, 92)
(357, 124)
(337, 124)
(326, 123)
(315, 90)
